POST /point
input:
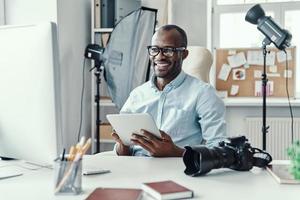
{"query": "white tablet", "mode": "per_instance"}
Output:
(126, 124)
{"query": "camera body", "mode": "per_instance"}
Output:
(235, 153)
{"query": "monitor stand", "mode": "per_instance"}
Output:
(6, 158)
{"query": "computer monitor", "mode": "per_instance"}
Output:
(30, 106)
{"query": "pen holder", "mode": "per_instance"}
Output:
(67, 177)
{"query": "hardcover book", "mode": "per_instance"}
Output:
(115, 194)
(281, 174)
(167, 190)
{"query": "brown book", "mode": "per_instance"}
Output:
(115, 194)
(167, 190)
(282, 174)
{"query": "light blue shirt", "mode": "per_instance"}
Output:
(187, 109)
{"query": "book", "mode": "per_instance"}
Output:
(281, 174)
(167, 190)
(115, 194)
(97, 13)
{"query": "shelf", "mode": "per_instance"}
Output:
(107, 141)
(102, 30)
(253, 102)
(106, 102)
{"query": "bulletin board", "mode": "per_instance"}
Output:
(243, 80)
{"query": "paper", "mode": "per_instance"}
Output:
(281, 57)
(238, 74)
(10, 171)
(269, 88)
(273, 68)
(270, 58)
(237, 60)
(246, 65)
(224, 72)
(288, 73)
(234, 90)
(257, 73)
(257, 90)
(257, 58)
(231, 52)
(273, 75)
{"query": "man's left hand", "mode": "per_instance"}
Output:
(157, 147)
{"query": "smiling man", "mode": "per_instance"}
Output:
(186, 110)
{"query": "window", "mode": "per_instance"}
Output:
(234, 2)
(230, 29)
(2, 14)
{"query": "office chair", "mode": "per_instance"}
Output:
(198, 63)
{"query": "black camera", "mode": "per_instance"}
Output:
(235, 153)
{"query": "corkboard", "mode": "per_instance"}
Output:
(247, 86)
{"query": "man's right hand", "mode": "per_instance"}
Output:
(121, 149)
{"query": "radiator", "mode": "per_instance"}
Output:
(279, 136)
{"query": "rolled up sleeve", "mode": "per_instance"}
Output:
(211, 111)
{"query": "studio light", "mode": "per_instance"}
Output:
(281, 38)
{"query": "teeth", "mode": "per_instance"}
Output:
(162, 64)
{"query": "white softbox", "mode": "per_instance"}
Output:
(126, 61)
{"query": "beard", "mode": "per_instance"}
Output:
(166, 69)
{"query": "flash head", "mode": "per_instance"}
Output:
(94, 52)
(281, 38)
(254, 14)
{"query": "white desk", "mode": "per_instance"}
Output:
(130, 172)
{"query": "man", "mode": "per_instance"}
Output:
(185, 109)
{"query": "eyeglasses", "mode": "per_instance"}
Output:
(166, 51)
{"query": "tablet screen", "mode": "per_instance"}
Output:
(126, 124)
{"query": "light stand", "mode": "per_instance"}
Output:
(264, 79)
(97, 101)
(94, 52)
(281, 38)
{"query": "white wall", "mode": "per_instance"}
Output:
(191, 15)
(2, 18)
(73, 19)
(30, 11)
(74, 34)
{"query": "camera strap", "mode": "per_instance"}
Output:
(261, 158)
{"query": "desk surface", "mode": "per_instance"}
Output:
(130, 172)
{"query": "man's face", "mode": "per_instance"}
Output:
(164, 66)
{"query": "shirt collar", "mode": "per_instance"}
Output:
(173, 84)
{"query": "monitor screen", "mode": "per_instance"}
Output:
(30, 114)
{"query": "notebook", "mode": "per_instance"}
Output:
(115, 193)
(167, 190)
(281, 174)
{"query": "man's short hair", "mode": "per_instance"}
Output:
(182, 33)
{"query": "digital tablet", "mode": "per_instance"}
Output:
(126, 124)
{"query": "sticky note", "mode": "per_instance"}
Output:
(224, 72)
(234, 90)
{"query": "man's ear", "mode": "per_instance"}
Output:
(185, 53)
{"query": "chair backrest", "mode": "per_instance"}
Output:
(198, 63)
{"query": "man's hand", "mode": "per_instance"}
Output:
(157, 147)
(122, 149)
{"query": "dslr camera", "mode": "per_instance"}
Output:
(234, 153)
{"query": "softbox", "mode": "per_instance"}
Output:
(126, 60)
